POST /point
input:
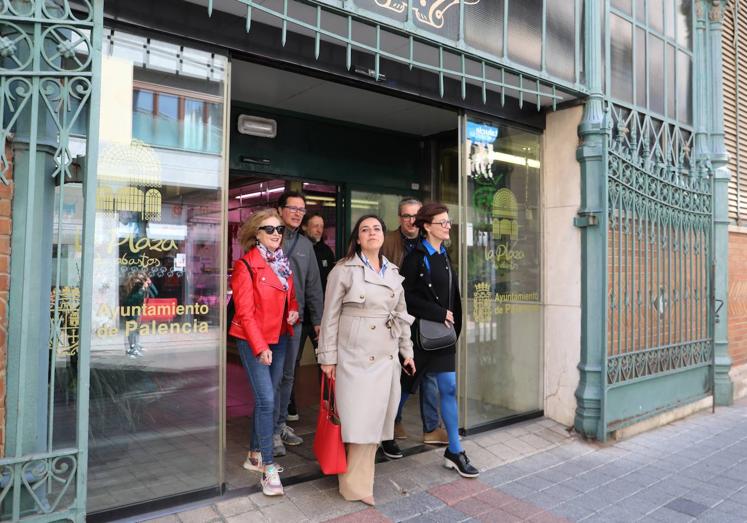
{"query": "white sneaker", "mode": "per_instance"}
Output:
(254, 461)
(270, 481)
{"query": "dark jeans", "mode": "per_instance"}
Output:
(265, 382)
(307, 331)
(428, 403)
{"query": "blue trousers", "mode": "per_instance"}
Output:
(265, 382)
(428, 403)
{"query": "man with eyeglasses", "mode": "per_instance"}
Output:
(398, 244)
(308, 285)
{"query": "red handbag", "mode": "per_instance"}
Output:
(328, 446)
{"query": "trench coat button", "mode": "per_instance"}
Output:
(392, 295)
(430, 285)
(373, 327)
(391, 357)
(263, 278)
(371, 358)
(361, 296)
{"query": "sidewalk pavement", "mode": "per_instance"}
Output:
(691, 470)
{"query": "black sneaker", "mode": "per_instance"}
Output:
(391, 450)
(461, 463)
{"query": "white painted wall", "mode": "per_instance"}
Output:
(561, 198)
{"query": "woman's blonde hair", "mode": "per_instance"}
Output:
(247, 234)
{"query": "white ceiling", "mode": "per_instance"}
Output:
(261, 85)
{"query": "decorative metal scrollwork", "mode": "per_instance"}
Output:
(659, 214)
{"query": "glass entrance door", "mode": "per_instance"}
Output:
(500, 365)
(247, 194)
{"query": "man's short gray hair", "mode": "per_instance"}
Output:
(408, 201)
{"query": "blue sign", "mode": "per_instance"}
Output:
(477, 132)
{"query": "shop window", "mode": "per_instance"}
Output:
(561, 39)
(483, 26)
(187, 122)
(525, 32)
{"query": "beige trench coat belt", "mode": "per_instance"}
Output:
(395, 321)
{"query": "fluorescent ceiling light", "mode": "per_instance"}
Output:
(510, 158)
(256, 126)
(258, 193)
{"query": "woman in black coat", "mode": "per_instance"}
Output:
(428, 295)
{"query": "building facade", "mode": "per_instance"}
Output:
(580, 145)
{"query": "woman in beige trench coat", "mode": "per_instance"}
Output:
(365, 326)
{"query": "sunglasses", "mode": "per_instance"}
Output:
(269, 229)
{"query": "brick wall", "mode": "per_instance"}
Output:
(738, 298)
(6, 198)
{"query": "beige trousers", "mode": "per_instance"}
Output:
(357, 482)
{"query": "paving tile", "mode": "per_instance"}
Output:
(166, 519)
(501, 475)
(547, 517)
(262, 501)
(497, 516)
(716, 516)
(199, 515)
(473, 506)
(283, 513)
(442, 515)
(522, 509)
(248, 517)
(546, 501)
(459, 490)
(238, 505)
(409, 506)
(535, 482)
(572, 511)
(732, 507)
(370, 515)
(668, 515)
(517, 489)
(563, 491)
(687, 507)
(495, 498)
(592, 500)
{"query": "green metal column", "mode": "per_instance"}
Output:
(592, 218)
(723, 387)
(49, 73)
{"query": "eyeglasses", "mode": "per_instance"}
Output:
(443, 223)
(408, 216)
(297, 210)
(269, 229)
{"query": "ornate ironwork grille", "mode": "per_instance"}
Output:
(659, 236)
(659, 195)
(49, 70)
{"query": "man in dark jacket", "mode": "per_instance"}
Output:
(308, 286)
(313, 227)
(398, 244)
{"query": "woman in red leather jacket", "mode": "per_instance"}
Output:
(266, 309)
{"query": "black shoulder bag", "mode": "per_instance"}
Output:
(231, 308)
(436, 335)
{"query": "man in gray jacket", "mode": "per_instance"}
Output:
(308, 286)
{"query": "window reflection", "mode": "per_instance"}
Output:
(502, 237)
(525, 32)
(154, 397)
(177, 121)
(621, 61)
